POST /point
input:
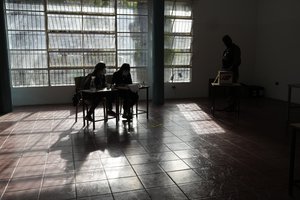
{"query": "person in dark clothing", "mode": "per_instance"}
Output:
(121, 79)
(231, 62)
(231, 58)
(97, 80)
(98, 75)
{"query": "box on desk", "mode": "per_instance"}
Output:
(224, 77)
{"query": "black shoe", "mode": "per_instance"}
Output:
(89, 118)
(111, 113)
(127, 116)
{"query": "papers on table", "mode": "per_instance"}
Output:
(134, 87)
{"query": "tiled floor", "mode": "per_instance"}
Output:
(181, 152)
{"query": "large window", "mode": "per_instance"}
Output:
(52, 41)
(178, 41)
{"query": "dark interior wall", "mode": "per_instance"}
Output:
(278, 42)
(5, 89)
(158, 52)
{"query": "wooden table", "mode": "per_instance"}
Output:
(103, 93)
(235, 86)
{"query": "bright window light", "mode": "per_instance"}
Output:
(52, 41)
(178, 41)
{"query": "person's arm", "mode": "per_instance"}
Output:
(104, 81)
(100, 82)
(122, 87)
(113, 80)
(129, 79)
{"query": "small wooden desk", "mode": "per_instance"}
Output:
(103, 92)
(235, 86)
(144, 87)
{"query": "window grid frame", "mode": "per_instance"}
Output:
(85, 68)
(176, 34)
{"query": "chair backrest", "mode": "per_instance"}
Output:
(108, 78)
(79, 83)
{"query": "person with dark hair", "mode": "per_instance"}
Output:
(231, 58)
(231, 62)
(122, 78)
(98, 76)
(97, 80)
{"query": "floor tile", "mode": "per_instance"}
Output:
(199, 190)
(189, 153)
(119, 172)
(58, 192)
(125, 184)
(185, 176)
(173, 165)
(164, 156)
(114, 162)
(29, 171)
(149, 168)
(90, 175)
(141, 159)
(18, 184)
(3, 184)
(88, 165)
(166, 193)
(33, 160)
(58, 179)
(59, 168)
(197, 162)
(155, 180)
(6, 173)
(178, 146)
(92, 188)
(98, 197)
(132, 195)
(21, 195)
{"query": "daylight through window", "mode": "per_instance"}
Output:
(178, 41)
(52, 41)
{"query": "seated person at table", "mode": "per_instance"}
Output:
(121, 79)
(99, 83)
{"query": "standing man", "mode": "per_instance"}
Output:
(231, 58)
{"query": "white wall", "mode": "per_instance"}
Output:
(42, 95)
(278, 46)
(212, 20)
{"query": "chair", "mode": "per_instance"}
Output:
(78, 97)
(108, 78)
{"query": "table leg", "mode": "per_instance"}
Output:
(147, 102)
(289, 104)
(117, 109)
(83, 111)
(94, 120)
(213, 101)
(137, 109)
